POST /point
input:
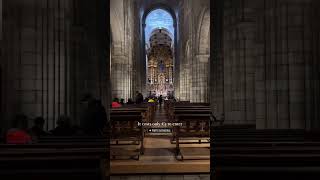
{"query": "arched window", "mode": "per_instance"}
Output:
(159, 43)
(158, 19)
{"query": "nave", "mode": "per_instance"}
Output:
(254, 63)
(236, 151)
(160, 150)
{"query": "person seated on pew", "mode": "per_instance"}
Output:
(122, 101)
(115, 103)
(1, 136)
(63, 127)
(19, 134)
(130, 101)
(151, 100)
(77, 130)
(98, 120)
(222, 118)
(37, 129)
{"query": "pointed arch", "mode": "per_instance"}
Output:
(204, 32)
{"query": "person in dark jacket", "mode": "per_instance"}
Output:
(130, 101)
(122, 101)
(160, 100)
(63, 127)
(139, 97)
(37, 129)
(98, 118)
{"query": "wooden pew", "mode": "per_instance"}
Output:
(257, 135)
(144, 111)
(266, 160)
(43, 162)
(168, 105)
(192, 127)
(190, 111)
(190, 108)
(194, 110)
(264, 154)
(185, 103)
(73, 139)
(127, 134)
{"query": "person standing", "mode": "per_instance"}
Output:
(160, 99)
(37, 129)
(139, 97)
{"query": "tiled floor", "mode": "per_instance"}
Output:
(163, 177)
(159, 157)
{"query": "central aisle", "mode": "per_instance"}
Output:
(160, 114)
(159, 117)
(159, 156)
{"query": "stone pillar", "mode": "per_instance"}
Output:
(239, 61)
(1, 72)
(200, 62)
(283, 100)
(120, 77)
(122, 51)
(203, 75)
(51, 59)
(312, 70)
(0, 20)
(247, 54)
(35, 55)
(217, 59)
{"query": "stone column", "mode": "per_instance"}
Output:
(123, 52)
(216, 59)
(286, 62)
(35, 46)
(2, 104)
(239, 61)
(120, 77)
(202, 78)
(247, 54)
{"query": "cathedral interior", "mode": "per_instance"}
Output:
(239, 76)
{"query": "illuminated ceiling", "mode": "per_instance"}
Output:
(158, 19)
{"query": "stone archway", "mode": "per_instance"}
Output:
(185, 73)
(142, 62)
(121, 56)
(200, 64)
(204, 33)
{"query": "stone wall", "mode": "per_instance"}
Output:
(35, 61)
(52, 57)
(216, 61)
(287, 67)
(238, 59)
(269, 62)
(194, 51)
(1, 70)
(124, 27)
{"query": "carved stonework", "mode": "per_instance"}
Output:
(160, 70)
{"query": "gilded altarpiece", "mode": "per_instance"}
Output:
(160, 70)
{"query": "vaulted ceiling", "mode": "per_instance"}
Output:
(160, 37)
